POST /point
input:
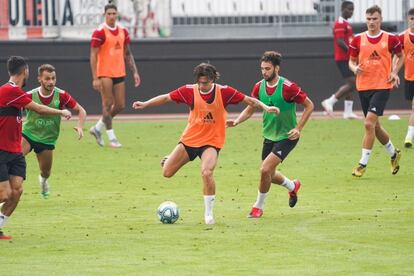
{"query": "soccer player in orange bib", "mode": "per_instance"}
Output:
(109, 51)
(205, 133)
(281, 132)
(407, 41)
(371, 61)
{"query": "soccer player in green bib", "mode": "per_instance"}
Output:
(40, 132)
(281, 132)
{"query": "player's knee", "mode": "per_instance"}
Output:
(207, 173)
(265, 170)
(17, 192)
(369, 125)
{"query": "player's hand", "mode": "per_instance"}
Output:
(273, 109)
(79, 130)
(294, 134)
(231, 123)
(97, 85)
(394, 79)
(66, 113)
(358, 70)
(137, 80)
(138, 105)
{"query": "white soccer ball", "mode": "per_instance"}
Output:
(168, 212)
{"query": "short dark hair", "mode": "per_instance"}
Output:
(45, 67)
(273, 57)
(206, 70)
(374, 9)
(16, 65)
(346, 3)
(110, 6)
(410, 11)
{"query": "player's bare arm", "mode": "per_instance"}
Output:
(243, 116)
(81, 120)
(159, 100)
(308, 109)
(398, 62)
(341, 43)
(354, 66)
(255, 103)
(96, 82)
(45, 110)
(129, 59)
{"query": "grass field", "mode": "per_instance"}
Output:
(100, 218)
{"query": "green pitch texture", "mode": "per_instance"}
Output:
(101, 216)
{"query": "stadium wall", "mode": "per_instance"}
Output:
(167, 64)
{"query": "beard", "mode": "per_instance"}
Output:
(271, 77)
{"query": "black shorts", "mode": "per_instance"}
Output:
(409, 90)
(280, 148)
(194, 152)
(374, 101)
(344, 68)
(38, 147)
(117, 80)
(11, 163)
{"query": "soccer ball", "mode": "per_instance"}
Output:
(168, 212)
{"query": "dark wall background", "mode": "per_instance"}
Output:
(167, 64)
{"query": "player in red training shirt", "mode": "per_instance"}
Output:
(342, 32)
(40, 133)
(109, 52)
(12, 162)
(205, 133)
(407, 42)
(281, 132)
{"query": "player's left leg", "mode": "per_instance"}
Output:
(16, 190)
(5, 194)
(26, 147)
(45, 160)
(395, 154)
(117, 107)
(209, 159)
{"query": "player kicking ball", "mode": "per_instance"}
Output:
(41, 132)
(205, 133)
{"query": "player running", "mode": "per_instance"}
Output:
(40, 132)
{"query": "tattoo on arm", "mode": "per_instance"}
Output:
(129, 59)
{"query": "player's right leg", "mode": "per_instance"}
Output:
(26, 147)
(5, 194)
(45, 160)
(178, 158)
(209, 158)
(409, 95)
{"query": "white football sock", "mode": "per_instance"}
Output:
(209, 205)
(3, 219)
(288, 184)
(260, 200)
(332, 99)
(366, 153)
(390, 148)
(99, 125)
(111, 134)
(410, 133)
(348, 106)
(42, 179)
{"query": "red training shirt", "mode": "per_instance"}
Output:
(401, 37)
(291, 92)
(66, 100)
(342, 29)
(98, 36)
(394, 45)
(184, 94)
(11, 126)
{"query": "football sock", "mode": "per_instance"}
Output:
(111, 134)
(348, 106)
(390, 148)
(288, 184)
(260, 200)
(99, 125)
(3, 219)
(366, 153)
(332, 99)
(209, 205)
(410, 133)
(43, 179)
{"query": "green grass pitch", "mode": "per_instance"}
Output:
(100, 218)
